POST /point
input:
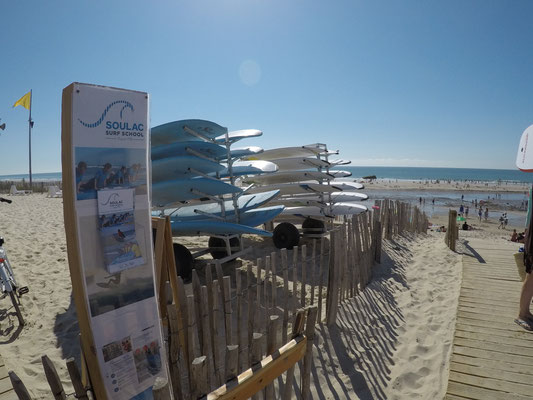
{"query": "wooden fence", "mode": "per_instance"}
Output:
(226, 324)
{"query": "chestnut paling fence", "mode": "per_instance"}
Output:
(219, 335)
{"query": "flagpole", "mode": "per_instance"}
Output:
(29, 134)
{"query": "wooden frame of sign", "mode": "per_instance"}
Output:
(74, 258)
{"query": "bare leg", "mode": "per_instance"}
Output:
(525, 298)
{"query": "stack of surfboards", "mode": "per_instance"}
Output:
(193, 174)
(307, 184)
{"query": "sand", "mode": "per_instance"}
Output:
(392, 342)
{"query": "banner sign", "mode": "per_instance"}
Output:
(105, 138)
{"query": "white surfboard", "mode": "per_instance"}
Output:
(524, 157)
(285, 152)
(235, 136)
(339, 162)
(339, 173)
(347, 186)
(330, 211)
(289, 176)
(296, 163)
(249, 167)
(304, 188)
(334, 197)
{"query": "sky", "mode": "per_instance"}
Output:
(390, 83)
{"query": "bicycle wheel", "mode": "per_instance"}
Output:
(17, 309)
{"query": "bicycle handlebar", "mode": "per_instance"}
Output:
(4, 200)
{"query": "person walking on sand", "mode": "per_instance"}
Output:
(501, 222)
(486, 214)
(480, 213)
(467, 209)
(461, 210)
(525, 317)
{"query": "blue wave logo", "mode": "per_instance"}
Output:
(126, 104)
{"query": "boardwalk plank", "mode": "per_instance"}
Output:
(492, 358)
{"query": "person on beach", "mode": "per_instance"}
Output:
(461, 210)
(486, 214)
(480, 213)
(467, 209)
(102, 176)
(514, 236)
(525, 317)
(501, 223)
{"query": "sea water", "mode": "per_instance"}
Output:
(404, 173)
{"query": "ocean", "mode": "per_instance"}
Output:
(405, 173)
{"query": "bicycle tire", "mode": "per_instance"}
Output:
(17, 308)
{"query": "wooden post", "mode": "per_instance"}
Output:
(274, 283)
(174, 350)
(207, 339)
(297, 328)
(257, 355)
(267, 289)
(308, 358)
(285, 268)
(218, 339)
(197, 294)
(294, 278)
(227, 309)
(75, 377)
(53, 379)
(238, 289)
(232, 360)
(18, 386)
(272, 345)
(304, 274)
(251, 313)
(212, 332)
(192, 332)
(160, 389)
(321, 262)
(260, 312)
(199, 377)
(313, 272)
(332, 300)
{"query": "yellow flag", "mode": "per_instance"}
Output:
(24, 101)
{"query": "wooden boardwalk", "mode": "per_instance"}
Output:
(6, 390)
(492, 357)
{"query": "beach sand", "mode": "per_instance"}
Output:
(393, 341)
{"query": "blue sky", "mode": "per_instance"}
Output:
(418, 83)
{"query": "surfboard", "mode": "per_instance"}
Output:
(347, 186)
(524, 157)
(183, 166)
(295, 188)
(185, 130)
(250, 167)
(339, 173)
(235, 136)
(246, 151)
(334, 197)
(245, 202)
(257, 216)
(189, 148)
(168, 192)
(285, 152)
(326, 212)
(297, 163)
(289, 176)
(339, 162)
(183, 228)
